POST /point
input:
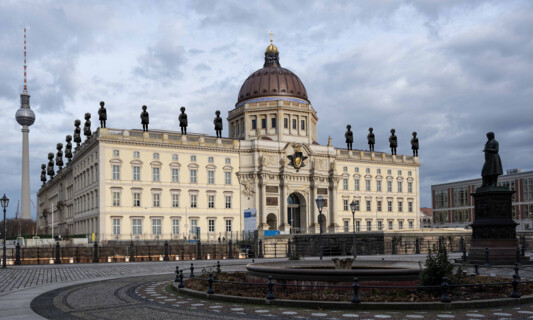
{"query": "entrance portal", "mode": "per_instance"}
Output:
(294, 209)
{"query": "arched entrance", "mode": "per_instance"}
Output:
(296, 212)
(272, 221)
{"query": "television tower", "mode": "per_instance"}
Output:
(25, 117)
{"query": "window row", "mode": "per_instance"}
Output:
(370, 226)
(156, 226)
(155, 156)
(293, 121)
(379, 205)
(378, 171)
(174, 174)
(379, 183)
(116, 200)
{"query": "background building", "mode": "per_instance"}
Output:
(134, 185)
(453, 205)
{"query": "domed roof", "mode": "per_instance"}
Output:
(272, 80)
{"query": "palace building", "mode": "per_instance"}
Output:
(157, 185)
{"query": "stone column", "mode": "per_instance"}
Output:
(283, 226)
(332, 209)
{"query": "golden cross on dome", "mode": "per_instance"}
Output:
(271, 34)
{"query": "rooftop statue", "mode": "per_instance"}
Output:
(77, 133)
(371, 139)
(68, 148)
(218, 124)
(393, 141)
(87, 127)
(492, 167)
(145, 118)
(349, 137)
(102, 114)
(43, 173)
(50, 169)
(59, 156)
(183, 121)
(414, 145)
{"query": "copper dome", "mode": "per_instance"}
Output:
(272, 80)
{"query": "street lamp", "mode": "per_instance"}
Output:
(320, 204)
(353, 207)
(4, 202)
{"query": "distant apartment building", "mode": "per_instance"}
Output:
(453, 206)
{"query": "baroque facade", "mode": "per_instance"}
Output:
(135, 185)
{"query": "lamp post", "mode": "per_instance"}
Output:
(320, 204)
(352, 206)
(4, 201)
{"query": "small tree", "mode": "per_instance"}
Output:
(437, 267)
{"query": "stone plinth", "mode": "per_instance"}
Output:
(493, 227)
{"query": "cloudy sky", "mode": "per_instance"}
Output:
(450, 70)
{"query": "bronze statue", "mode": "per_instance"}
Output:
(77, 133)
(393, 140)
(87, 127)
(183, 121)
(349, 137)
(414, 145)
(59, 156)
(43, 173)
(218, 124)
(492, 167)
(68, 148)
(371, 139)
(102, 114)
(50, 169)
(145, 118)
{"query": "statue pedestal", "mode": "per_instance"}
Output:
(493, 227)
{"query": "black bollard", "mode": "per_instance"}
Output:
(177, 279)
(270, 294)
(58, 258)
(355, 297)
(166, 258)
(95, 256)
(462, 244)
(464, 255)
(289, 252)
(210, 290)
(417, 246)
(181, 284)
(192, 271)
(260, 255)
(476, 270)
(444, 289)
(198, 250)
(516, 269)
(230, 249)
(218, 267)
(487, 264)
(17, 254)
(132, 253)
(517, 255)
(514, 283)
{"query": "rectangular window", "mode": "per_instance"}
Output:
(228, 160)
(193, 158)
(356, 184)
(175, 157)
(378, 185)
(356, 205)
(302, 125)
(193, 200)
(155, 174)
(136, 154)
(175, 226)
(441, 199)
(175, 200)
(136, 199)
(116, 226)
(527, 184)
(193, 175)
(409, 186)
(228, 202)
(345, 169)
(346, 226)
(379, 171)
(400, 206)
(136, 173)
(411, 226)
(254, 124)
(286, 123)
(369, 225)
(116, 153)
(137, 227)
(390, 224)
(345, 184)
(156, 156)
(460, 196)
(116, 172)
(357, 226)
(211, 177)
(211, 159)
(156, 197)
(367, 170)
(410, 206)
(399, 172)
(194, 226)
(116, 199)
(379, 205)
(227, 177)
(175, 175)
(368, 205)
(210, 201)
(389, 186)
(345, 204)
(400, 224)
(273, 122)
(228, 225)
(380, 225)
(294, 124)
(400, 186)
(156, 226)
(367, 185)
(263, 123)
(211, 225)
(389, 206)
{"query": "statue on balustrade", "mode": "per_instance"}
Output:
(68, 148)
(218, 124)
(414, 145)
(145, 119)
(59, 156)
(183, 121)
(393, 141)
(87, 128)
(371, 139)
(349, 137)
(102, 114)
